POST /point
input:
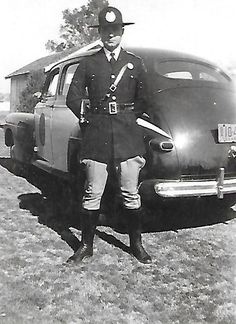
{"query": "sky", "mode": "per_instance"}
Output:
(202, 27)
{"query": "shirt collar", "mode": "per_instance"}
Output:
(116, 53)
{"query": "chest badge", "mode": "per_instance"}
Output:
(130, 66)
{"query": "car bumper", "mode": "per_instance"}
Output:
(181, 189)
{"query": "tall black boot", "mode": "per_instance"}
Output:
(89, 219)
(134, 230)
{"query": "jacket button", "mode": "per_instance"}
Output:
(113, 76)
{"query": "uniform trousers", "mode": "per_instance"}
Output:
(96, 178)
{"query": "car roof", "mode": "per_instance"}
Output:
(165, 54)
(146, 53)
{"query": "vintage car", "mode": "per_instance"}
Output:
(189, 131)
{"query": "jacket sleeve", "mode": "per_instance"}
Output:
(142, 93)
(77, 89)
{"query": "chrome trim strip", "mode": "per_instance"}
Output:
(146, 124)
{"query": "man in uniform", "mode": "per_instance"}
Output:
(115, 82)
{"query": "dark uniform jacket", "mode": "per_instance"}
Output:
(109, 136)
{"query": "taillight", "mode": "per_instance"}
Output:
(166, 146)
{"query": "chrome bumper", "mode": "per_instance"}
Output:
(194, 188)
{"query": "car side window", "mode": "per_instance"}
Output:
(179, 75)
(188, 70)
(51, 83)
(67, 76)
(207, 77)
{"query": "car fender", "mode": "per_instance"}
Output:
(19, 136)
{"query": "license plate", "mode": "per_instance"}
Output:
(226, 133)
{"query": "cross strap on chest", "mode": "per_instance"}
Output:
(114, 85)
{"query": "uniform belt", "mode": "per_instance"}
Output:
(112, 108)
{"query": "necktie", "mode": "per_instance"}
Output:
(112, 59)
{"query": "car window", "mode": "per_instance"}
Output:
(53, 86)
(190, 71)
(179, 75)
(67, 76)
(51, 83)
(207, 77)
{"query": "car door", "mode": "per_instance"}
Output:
(43, 118)
(64, 124)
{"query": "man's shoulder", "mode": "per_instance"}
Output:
(95, 55)
(90, 57)
(133, 56)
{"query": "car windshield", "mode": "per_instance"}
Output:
(187, 70)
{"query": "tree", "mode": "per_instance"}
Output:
(75, 31)
(34, 83)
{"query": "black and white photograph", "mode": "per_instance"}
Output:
(118, 162)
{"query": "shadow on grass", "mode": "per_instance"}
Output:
(48, 209)
(59, 212)
(50, 214)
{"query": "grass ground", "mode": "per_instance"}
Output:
(191, 279)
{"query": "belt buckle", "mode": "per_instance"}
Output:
(112, 107)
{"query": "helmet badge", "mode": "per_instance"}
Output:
(110, 16)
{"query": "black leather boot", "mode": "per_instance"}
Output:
(89, 219)
(134, 230)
